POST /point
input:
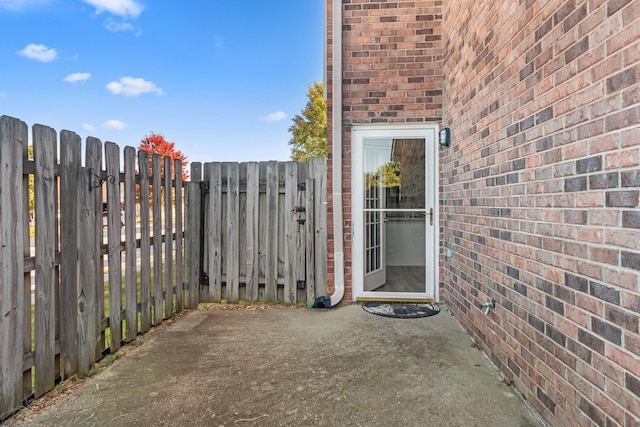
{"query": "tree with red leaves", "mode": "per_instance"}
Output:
(156, 143)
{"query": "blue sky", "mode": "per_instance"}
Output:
(220, 78)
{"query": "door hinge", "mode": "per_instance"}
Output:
(299, 209)
(302, 186)
(301, 284)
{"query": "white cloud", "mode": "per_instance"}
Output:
(39, 52)
(20, 5)
(131, 86)
(77, 77)
(114, 125)
(124, 8)
(276, 116)
(88, 127)
(118, 27)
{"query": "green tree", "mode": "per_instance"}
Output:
(309, 129)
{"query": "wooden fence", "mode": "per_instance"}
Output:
(263, 235)
(93, 253)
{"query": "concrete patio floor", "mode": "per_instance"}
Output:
(269, 367)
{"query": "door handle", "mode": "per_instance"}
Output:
(430, 216)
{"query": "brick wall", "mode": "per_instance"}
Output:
(540, 198)
(392, 73)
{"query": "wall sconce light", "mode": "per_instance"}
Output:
(445, 137)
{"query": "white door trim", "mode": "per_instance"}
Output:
(358, 134)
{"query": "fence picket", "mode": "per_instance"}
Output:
(271, 218)
(114, 231)
(168, 241)
(214, 231)
(232, 232)
(44, 147)
(145, 243)
(193, 235)
(290, 230)
(13, 134)
(300, 232)
(252, 215)
(70, 155)
(27, 309)
(157, 239)
(309, 228)
(91, 293)
(177, 167)
(131, 285)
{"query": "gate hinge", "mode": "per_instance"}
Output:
(302, 186)
(301, 221)
(301, 284)
(299, 209)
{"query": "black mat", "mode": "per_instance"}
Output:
(401, 310)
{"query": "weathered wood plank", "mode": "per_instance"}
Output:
(242, 230)
(44, 147)
(157, 238)
(130, 273)
(252, 215)
(309, 240)
(262, 229)
(145, 243)
(192, 235)
(27, 309)
(114, 232)
(232, 232)
(90, 301)
(13, 138)
(300, 252)
(318, 171)
(271, 216)
(70, 162)
(290, 230)
(168, 240)
(214, 231)
(179, 237)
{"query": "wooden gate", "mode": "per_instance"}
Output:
(262, 229)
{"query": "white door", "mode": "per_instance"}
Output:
(394, 175)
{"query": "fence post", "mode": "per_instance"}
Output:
(192, 236)
(13, 135)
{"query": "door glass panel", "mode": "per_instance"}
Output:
(394, 214)
(405, 247)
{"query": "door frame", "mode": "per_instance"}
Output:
(428, 132)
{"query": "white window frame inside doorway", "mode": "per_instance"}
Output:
(428, 132)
